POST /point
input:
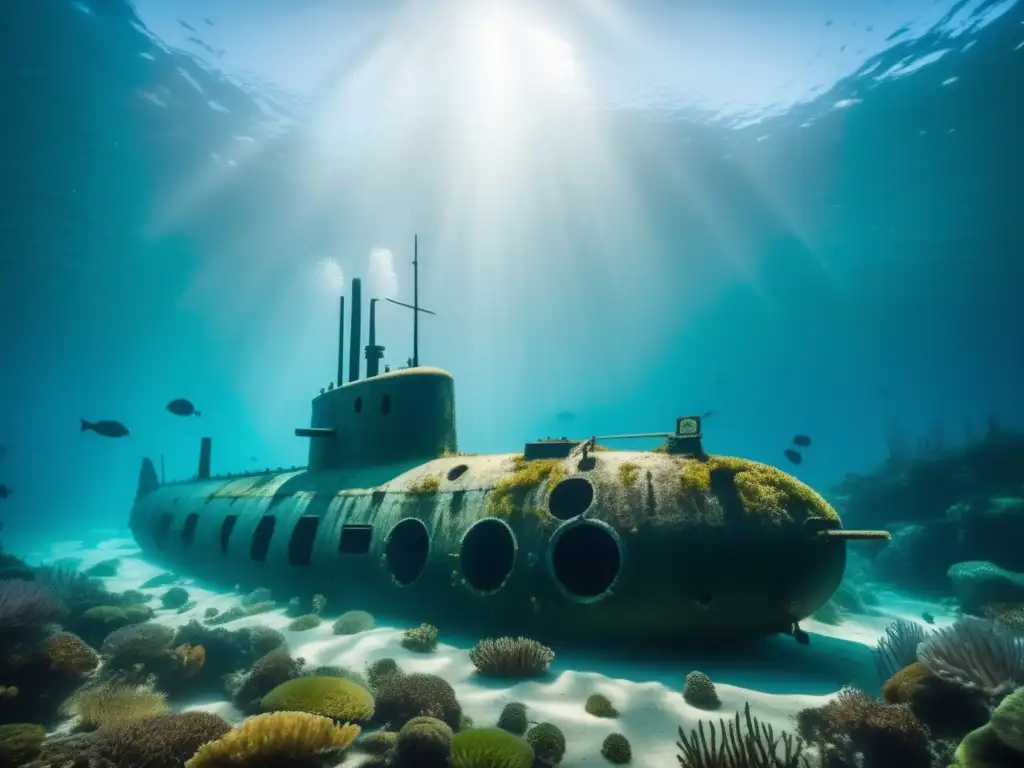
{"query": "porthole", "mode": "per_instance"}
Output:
(585, 559)
(487, 555)
(406, 550)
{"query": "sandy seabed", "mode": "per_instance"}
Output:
(777, 680)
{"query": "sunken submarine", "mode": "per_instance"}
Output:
(565, 541)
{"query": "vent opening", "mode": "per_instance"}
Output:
(358, 405)
(162, 529)
(457, 471)
(571, 498)
(385, 405)
(488, 554)
(188, 531)
(261, 538)
(585, 559)
(226, 529)
(355, 539)
(406, 550)
(300, 545)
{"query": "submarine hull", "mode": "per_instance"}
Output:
(618, 547)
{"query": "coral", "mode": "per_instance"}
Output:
(332, 697)
(191, 658)
(303, 623)
(510, 491)
(982, 748)
(944, 708)
(77, 750)
(133, 597)
(160, 580)
(27, 604)
(175, 597)
(294, 608)
(977, 583)
(226, 651)
(160, 741)
(699, 691)
(976, 653)
(279, 739)
(263, 640)
(513, 718)
(628, 473)
(113, 704)
(422, 639)
(755, 746)
(883, 734)
(69, 655)
(599, 706)
(380, 670)
(318, 604)
(137, 644)
(1007, 614)
(898, 649)
(548, 743)
(400, 698)
(353, 622)
(511, 657)
(489, 748)
(331, 670)
(104, 568)
(20, 742)
(100, 620)
(1008, 721)
(74, 589)
(616, 749)
(426, 484)
(258, 595)
(423, 742)
(267, 673)
(378, 742)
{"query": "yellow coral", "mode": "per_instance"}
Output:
(192, 658)
(526, 475)
(333, 697)
(115, 704)
(275, 738)
(628, 473)
(69, 654)
(900, 688)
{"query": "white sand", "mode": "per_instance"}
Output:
(778, 680)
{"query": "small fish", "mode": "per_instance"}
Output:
(793, 456)
(105, 428)
(802, 440)
(928, 618)
(182, 407)
(5, 491)
(707, 414)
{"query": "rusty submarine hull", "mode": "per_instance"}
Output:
(563, 541)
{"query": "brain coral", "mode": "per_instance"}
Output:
(333, 697)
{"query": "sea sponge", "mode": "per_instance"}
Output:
(1008, 721)
(946, 709)
(616, 749)
(511, 657)
(400, 698)
(599, 705)
(513, 718)
(137, 644)
(900, 688)
(489, 748)
(380, 670)
(20, 742)
(303, 623)
(332, 697)
(353, 622)
(699, 691)
(161, 741)
(175, 597)
(423, 742)
(548, 743)
(112, 704)
(70, 655)
(422, 639)
(278, 738)
(263, 640)
(378, 742)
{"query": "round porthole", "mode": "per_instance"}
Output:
(487, 555)
(406, 550)
(457, 471)
(585, 558)
(571, 498)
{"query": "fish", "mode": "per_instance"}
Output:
(707, 414)
(928, 618)
(106, 428)
(5, 491)
(793, 456)
(802, 440)
(182, 407)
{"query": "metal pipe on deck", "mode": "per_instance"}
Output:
(353, 344)
(341, 341)
(205, 447)
(374, 353)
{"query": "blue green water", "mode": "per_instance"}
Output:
(803, 217)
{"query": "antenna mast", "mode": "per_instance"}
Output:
(415, 306)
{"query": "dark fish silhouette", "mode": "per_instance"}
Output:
(929, 618)
(105, 428)
(5, 491)
(793, 456)
(802, 440)
(707, 414)
(566, 416)
(182, 407)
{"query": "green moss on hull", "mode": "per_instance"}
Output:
(508, 495)
(426, 484)
(628, 473)
(763, 490)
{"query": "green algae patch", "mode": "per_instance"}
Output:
(511, 490)
(628, 473)
(763, 490)
(426, 484)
